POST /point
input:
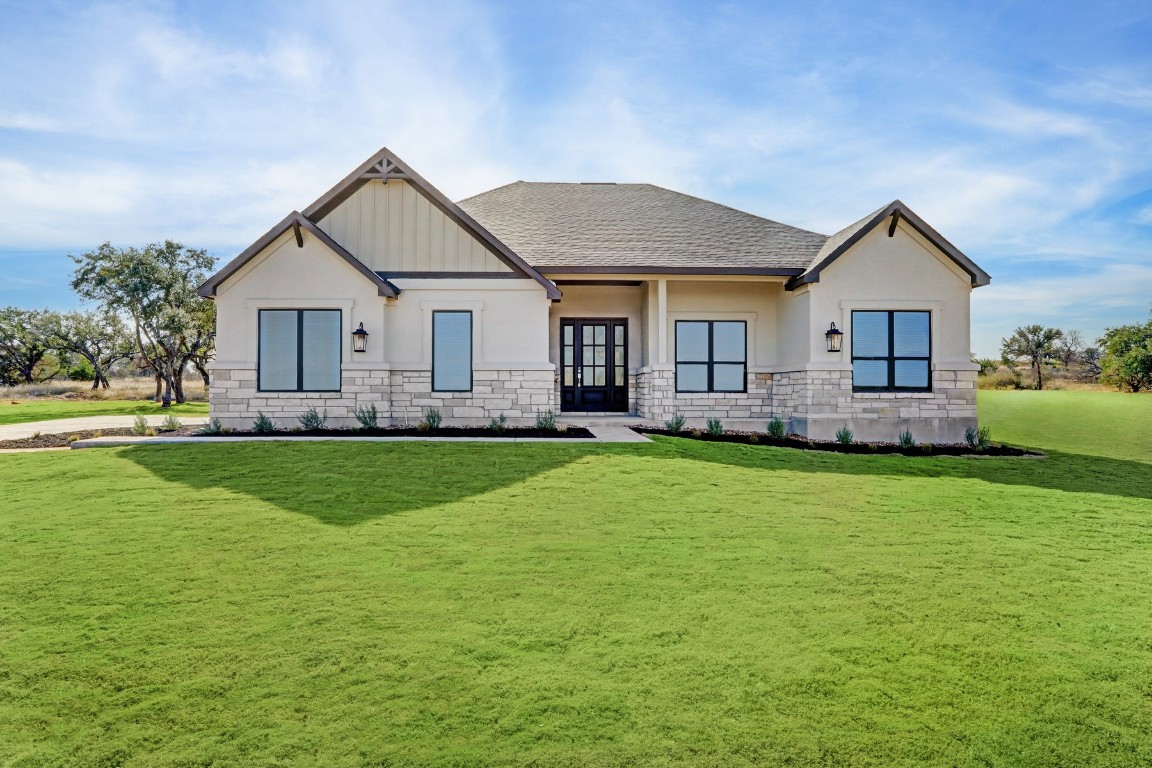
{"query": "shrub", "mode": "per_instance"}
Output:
(212, 428)
(546, 422)
(906, 440)
(776, 429)
(844, 435)
(140, 426)
(36, 434)
(715, 427)
(676, 423)
(72, 438)
(498, 423)
(432, 418)
(312, 419)
(1007, 378)
(978, 439)
(263, 424)
(368, 417)
(170, 424)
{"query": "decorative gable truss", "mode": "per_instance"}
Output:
(400, 212)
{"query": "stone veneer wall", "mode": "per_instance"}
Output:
(818, 403)
(657, 399)
(399, 396)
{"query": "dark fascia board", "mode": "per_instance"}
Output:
(457, 275)
(295, 221)
(649, 270)
(896, 208)
(351, 183)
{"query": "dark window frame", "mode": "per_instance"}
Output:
(892, 357)
(299, 347)
(471, 346)
(711, 362)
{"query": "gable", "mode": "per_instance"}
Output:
(392, 228)
(894, 215)
(302, 232)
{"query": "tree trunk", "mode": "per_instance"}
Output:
(159, 387)
(178, 385)
(166, 400)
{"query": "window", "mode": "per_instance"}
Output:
(891, 351)
(299, 350)
(711, 356)
(452, 351)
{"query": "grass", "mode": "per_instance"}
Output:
(1096, 423)
(683, 603)
(23, 411)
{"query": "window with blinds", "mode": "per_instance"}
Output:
(711, 356)
(452, 351)
(891, 351)
(299, 350)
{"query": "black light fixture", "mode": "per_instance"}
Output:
(359, 339)
(835, 337)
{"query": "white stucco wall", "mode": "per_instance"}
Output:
(752, 302)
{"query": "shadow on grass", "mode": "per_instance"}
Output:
(349, 483)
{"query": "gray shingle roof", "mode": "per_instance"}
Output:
(613, 226)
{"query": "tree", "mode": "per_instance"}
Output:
(1033, 343)
(26, 344)
(101, 338)
(156, 287)
(1126, 359)
(1068, 348)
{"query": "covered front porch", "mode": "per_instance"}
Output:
(651, 346)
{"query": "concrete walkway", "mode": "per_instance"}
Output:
(600, 434)
(84, 423)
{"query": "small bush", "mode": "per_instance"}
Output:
(498, 423)
(368, 417)
(906, 440)
(978, 439)
(776, 429)
(36, 434)
(754, 439)
(170, 424)
(263, 424)
(213, 427)
(715, 427)
(546, 422)
(432, 418)
(844, 435)
(312, 420)
(676, 423)
(140, 426)
(72, 438)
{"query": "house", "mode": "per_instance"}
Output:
(592, 298)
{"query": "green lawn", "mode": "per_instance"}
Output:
(678, 604)
(22, 411)
(1098, 423)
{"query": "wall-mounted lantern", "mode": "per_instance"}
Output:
(359, 339)
(835, 338)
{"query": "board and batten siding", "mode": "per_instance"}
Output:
(391, 227)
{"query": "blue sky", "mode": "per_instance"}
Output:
(1021, 130)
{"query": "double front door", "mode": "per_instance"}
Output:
(593, 365)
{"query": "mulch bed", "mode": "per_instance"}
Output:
(804, 444)
(509, 432)
(67, 438)
(64, 439)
